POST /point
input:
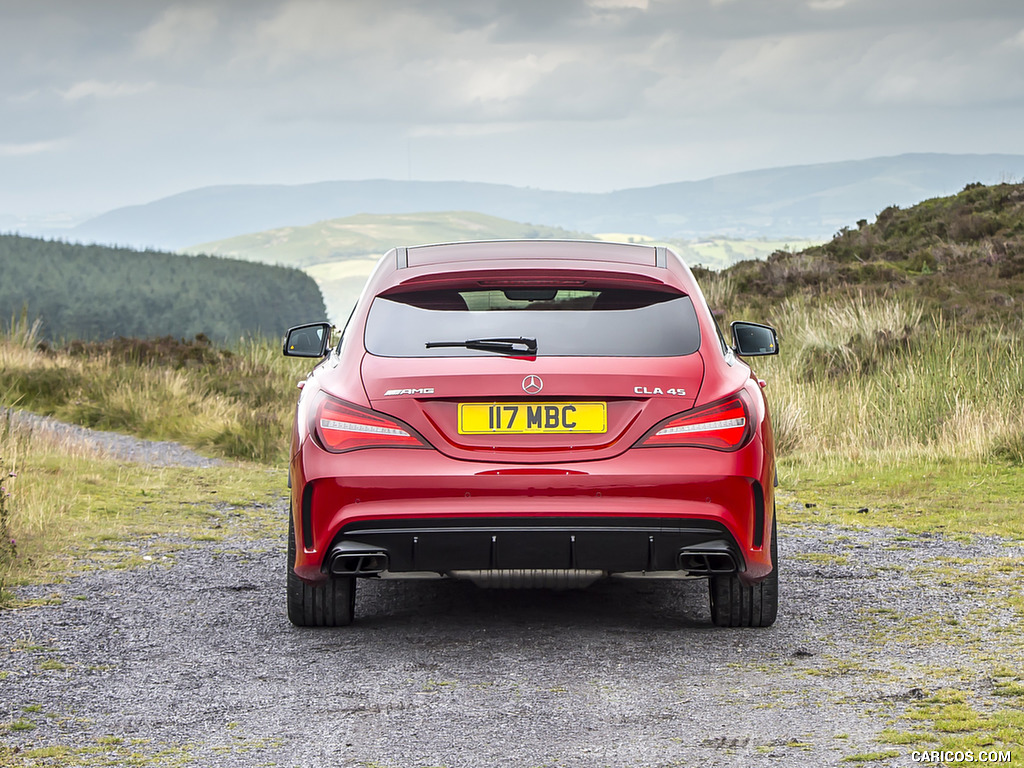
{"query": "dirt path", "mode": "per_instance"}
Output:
(191, 660)
(161, 453)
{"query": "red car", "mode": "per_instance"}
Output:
(532, 414)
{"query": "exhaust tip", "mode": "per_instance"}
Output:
(359, 565)
(350, 559)
(706, 562)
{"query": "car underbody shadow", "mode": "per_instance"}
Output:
(609, 603)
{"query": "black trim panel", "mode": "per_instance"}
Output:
(758, 514)
(614, 545)
(307, 516)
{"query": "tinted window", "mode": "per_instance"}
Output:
(615, 323)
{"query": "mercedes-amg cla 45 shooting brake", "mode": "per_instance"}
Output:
(532, 413)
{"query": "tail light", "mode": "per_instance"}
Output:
(723, 425)
(341, 427)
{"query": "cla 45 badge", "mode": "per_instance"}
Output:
(659, 391)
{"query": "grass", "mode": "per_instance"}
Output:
(105, 753)
(915, 494)
(236, 403)
(70, 508)
(885, 414)
(865, 382)
(64, 506)
(875, 380)
(951, 721)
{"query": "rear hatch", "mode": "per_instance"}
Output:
(532, 375)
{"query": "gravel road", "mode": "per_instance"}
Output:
(190, 659)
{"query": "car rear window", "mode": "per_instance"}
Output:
(565, 322)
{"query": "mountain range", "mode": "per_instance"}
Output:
(811, 201)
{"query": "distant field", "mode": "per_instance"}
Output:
(719, 253)
(716, 252)
(341, 282)
(340, 253)
(626, 237)
(367, 234)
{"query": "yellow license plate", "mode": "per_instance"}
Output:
(532, 418)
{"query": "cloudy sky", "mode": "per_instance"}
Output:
(113, 102)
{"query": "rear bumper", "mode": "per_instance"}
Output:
(609, 545)
(642, 511)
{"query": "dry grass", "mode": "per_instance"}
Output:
(32, 504)
(718, 289)
(66, 506)
(859, 376)
(878, 378)
(60, 497)
(234, 403)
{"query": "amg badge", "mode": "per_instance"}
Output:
(420, 391)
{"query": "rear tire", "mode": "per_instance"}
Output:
(735, 604)
(326, 604)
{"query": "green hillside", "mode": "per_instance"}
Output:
(900, 341)
(960, 256)
(95, 292)
(371, 234)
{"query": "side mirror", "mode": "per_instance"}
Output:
(310, 340)
(753, 339)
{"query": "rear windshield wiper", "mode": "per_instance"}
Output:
(503, 346)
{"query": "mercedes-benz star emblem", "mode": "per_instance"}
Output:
(532, 384)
